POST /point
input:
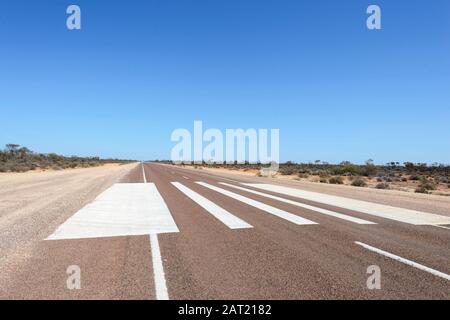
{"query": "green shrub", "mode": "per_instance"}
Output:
(287, 170)
(369, 170)
(351, 169)
(426, 184)
(382, 186)
(336, 180)
(359, 183)
(421, 190)
(20, 168)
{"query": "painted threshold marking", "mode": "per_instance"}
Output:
(375, 209)
(230, 220)
(261, 206)
(125, 209)
(302, 205)
(405, 261)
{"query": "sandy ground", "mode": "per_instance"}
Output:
(34, 204)
(410, 200)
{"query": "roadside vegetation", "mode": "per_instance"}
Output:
(15, 158)
(408, 176)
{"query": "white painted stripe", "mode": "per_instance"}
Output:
(262, 206)
(375, 209)
(158, 270)
(302, 205)
(122, 210)
(222, 178)
(442, 227)
(221, 214)
(405, 261)
(143, 173)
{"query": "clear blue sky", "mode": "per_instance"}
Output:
(139, 69)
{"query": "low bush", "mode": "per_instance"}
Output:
(336, 180)
(427, 185)
(351, 169)
(20, 159)
(382, 186)
(421, 190)
(359, 183)
(287, 171)
(323, 180)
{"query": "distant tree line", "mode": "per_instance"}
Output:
(428, 177)
(16, 158)
(345, 168)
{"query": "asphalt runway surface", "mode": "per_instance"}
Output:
(165, 232)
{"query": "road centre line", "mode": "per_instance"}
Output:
(158, 269)
(143, 173)
(161, 291)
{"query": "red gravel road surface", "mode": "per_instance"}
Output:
(183, 246)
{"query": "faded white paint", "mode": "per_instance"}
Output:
(405, 261)
(302, 205)
(158, 270)
(261, 206)
(143, 173)
(230, 220)
(379, 210)
(124, 209)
